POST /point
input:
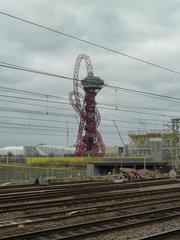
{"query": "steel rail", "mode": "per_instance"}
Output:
(81, 230)
(85, 199)
(30, 188)
(76, 212)
(162, 235)
(27, 185)
(52, 187)
(39, 194)
(106, 185)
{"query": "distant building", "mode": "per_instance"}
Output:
(38, 150)
(12, 150)
(154, 143)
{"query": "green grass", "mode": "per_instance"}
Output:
(61, 160)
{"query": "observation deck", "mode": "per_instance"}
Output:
(92, 82)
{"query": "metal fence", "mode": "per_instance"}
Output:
(29, 174)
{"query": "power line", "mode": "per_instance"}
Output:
(67, 103)
(14, 90)
(31, 70)
(89, 42)
(45, 134)
(61, 121)
(56, 121)
(137, 107)
(60, 108)
(124, 89)
(32, 104)
(33, 99)
(34, 126)
(17, 67)
(21, 110)
(13, 126)
(64, 103)
(72, 116)
(135, 119)
(60, 102)
(139, 112)
(36, 134)
(46, 128)
(36, 119)
(165, 97)
(21, 68)
(55, 114)
(28, 125)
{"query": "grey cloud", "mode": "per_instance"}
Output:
(146, 29)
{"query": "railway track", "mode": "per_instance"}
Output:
(85, 194)
(31, 188)
(123, 185)
(27, 185)
(58, 192)
(85, 199)
(163, 235)
(86, 211)
(90, 228)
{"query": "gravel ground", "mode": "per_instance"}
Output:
(32, 227)
(71, 206)
(142, 231)
(174, 238)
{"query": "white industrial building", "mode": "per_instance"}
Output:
(37, 150)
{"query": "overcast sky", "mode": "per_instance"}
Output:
(145, 29)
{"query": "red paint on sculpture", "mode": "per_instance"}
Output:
(89, 141)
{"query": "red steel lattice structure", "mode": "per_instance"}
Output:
(89, 140)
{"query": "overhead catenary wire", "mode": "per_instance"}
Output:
(36, 71)
(25, 127)
(20, 91)
(134, 91)
(34, 125)
(61, 108)
(70, 115)
(32, 99)
(36, 134)
(31, 104)
(139, 112)
(144, 93)
(42, 100)
(36, 119)
(49, 127)
(168, 98)
(22, 110)
(31, 70)
(89, 42)
(134, 119)
(66, 103)
(71, 122)
(44, 134)
(37, 112)
(116, 106)
(59, 102)
(61, 76)
(102, 125)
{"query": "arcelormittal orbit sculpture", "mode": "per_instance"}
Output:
(89, 141)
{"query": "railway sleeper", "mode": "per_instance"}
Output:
(103, 225)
